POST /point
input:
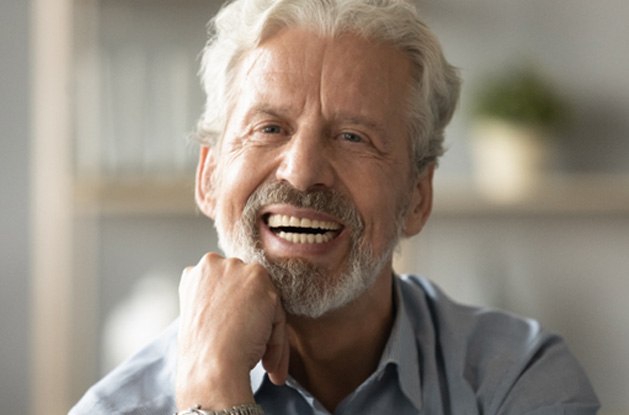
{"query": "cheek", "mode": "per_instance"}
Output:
(379, 194)
(378, 204)
(239, 176)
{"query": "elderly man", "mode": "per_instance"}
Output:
(323, 126)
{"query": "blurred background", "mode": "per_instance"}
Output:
(99, 97)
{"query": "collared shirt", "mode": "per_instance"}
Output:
(441, 358)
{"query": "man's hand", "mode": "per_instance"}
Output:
(231, 317)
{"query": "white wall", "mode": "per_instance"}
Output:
(14, 206)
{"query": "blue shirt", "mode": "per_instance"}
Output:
(441, 358)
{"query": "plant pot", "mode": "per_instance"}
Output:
(509, 159)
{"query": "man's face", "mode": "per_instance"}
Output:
(312, 177)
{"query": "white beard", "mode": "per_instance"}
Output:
(308, 290)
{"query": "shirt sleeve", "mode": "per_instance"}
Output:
(497, 363)
(549, 382)
(143, 385)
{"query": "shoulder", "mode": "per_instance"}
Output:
(503, 362)
(141, 385)
(466, 325)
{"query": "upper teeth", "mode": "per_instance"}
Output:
(277, 221)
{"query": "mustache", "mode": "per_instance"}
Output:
(324, 200)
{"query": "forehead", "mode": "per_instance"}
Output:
(344, 73)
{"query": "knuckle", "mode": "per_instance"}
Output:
(210, 258)
(274, 297)
(255, 277)
(233, 262)
(256, 270)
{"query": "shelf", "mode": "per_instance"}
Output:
(559, 195)
(556, 195)
(136, 196)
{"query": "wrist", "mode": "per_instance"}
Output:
(246, 409)
(213, 389)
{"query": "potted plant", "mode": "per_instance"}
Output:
(515, 117)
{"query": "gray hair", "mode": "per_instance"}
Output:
(245, 24)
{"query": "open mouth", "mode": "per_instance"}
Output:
(302, 230)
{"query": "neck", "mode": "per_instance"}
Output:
(331, 356)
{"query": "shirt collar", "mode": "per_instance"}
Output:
(400, 351)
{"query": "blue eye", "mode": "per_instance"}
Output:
(271, 129)
(351, 137)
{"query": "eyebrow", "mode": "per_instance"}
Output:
(341, 118)
(359, 120)
(266, 109)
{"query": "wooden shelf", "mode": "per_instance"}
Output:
(559, 195)
(556, 195)
(136, 196)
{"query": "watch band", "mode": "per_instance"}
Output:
(246, 409)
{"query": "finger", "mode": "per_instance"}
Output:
(276, 361)
(284, 363)
(275, 344)
(285, 356)
(276, 356)
(272, 363)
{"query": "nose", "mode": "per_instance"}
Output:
(306, 162)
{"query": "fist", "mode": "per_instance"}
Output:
(230, 318)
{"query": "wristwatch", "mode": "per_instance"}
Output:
(246, 409)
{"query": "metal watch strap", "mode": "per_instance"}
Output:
(246, 409)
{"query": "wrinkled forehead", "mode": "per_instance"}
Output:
(347, 72)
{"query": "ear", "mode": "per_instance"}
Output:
(421, 203)
(204, 186)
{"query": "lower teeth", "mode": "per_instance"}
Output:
(306, 238)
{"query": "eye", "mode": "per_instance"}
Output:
(268, 132)
(271, 129)
(351, 137)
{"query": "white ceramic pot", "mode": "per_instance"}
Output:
(509, 159)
